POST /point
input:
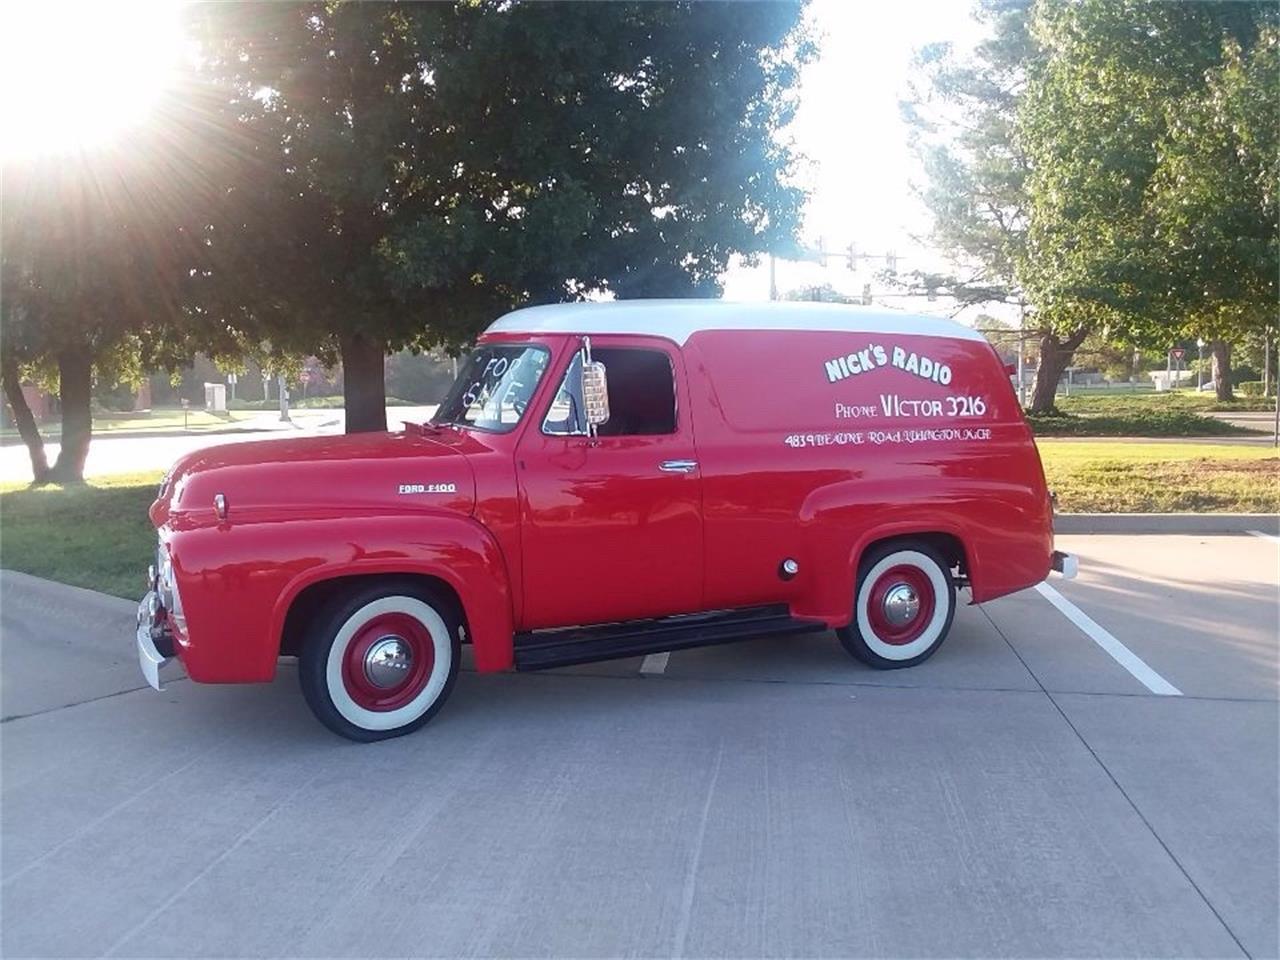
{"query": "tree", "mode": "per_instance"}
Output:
(1142, 186)
(962, 113)
(1216, 194)
(93, 254)
(819, 293)
(1006, 339)
(412, 170)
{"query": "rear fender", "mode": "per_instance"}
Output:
(841, 521)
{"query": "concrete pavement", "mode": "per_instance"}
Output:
(1263, 421)
(1022, 793)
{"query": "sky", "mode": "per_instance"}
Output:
(860, 169)
(858, 166)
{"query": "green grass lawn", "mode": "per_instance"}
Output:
(1137, 423)
(1161, 477)
(1123, 402)
(1179, 413)
(95, 535)
(168, 418)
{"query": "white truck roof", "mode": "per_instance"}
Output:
(678, 320)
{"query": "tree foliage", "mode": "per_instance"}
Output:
(1147, 127)
(1112, 165)
(963, 117)
(819, 293)
(95, 256)
(409, 171)
(960, 114)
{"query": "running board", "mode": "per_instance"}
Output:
(541, 649)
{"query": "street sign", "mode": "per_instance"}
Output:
(1178, 353)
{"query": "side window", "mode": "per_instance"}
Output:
(565, 417)
(642, 395)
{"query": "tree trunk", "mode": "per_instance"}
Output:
(1222, 369)
(75, 388)
(24, 420)
(364, 389)
(1055, 357)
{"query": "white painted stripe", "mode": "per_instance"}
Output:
(1103, 638)
(1265, 536)
(655, 663)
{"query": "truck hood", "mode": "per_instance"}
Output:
(367, 473)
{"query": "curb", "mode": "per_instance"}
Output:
(1268, 523)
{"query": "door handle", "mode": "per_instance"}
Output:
(678, 466)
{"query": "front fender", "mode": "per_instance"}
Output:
(238, 582)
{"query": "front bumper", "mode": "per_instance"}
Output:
(153, 638)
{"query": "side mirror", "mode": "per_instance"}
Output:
(595, 393)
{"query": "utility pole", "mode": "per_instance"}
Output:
(1022, 353)
(283, 390)
(850, 255)
(1266, 362)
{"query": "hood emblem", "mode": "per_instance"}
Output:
(428, 488)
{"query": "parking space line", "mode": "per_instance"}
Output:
(655, 663)
(1265, 536)
(1103, 638)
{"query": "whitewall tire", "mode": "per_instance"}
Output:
(380, 661)
(903, 605)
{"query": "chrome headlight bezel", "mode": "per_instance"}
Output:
(167, 587)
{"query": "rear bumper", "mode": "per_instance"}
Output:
(153, 639)
(1067, 564)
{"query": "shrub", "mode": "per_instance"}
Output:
(1243, 373)
(1250, 388)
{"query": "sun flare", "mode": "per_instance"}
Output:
(77, 75)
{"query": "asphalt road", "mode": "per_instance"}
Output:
(1024, 793)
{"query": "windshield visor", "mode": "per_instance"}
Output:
(494, 387)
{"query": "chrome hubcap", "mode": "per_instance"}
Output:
(388, 661)
(901, 604)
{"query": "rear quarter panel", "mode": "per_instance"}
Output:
(813, 445)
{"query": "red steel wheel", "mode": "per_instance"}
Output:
(388, 662)
(901, 604)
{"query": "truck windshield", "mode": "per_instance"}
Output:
(494, 387)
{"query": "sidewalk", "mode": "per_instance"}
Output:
(1262, 421)
(250, 422)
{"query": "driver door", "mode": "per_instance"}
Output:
(611, 525)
